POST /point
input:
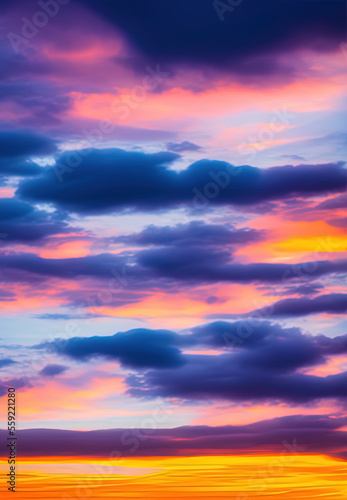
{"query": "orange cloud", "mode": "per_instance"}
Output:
(56, 400)
(69, 249)
(161, 308)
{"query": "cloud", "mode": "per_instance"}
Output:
(306, 289)
(66, 317)
(195, 233)
(255, 363)
(315, 25)
(122, 179)
(52, 370)
(100, 266)
(220, 334)
(334, 303)
(18, 65)
(22, 222)
(39, 101)
(333, 203)
(182, 147)
(175, 264)
(16, 147)
(6, 362)
(111, 180)
(16, 383)
(295, 434)
(139, 348)
(5, 295)
(18, 168)
(11, 209)
(220, 50)
(294, 157)
(217, 378)
(24, 143)
(213, 265)
(338, 222)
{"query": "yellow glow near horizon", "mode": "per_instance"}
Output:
(241, 477)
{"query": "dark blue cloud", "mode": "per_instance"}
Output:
(139, 348)
(109, 180)
(334, 303)
(192, 32)
(24, 143)
(237, 334)
(195, 233)
(52, 370)
(16, 148)
(257, 361)
(267, 345)
(18, 168)
(214, 265)
(105, 180)
(99, 266)
(22, 222)
(171, 264)
(11, 209)
(219, 378)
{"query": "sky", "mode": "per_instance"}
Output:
(172, 223)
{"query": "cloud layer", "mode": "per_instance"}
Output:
(109, 180)
(262, 362)
(296, 434)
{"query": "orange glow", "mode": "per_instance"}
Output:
(224, 414)
(86, 55)
(24, 301)
(240, 477)
(70, 249)
(334, 365)
(300, 96)
(162, 307)
(292, 241)
(49, 399)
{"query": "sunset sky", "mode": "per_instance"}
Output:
(172, 228)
